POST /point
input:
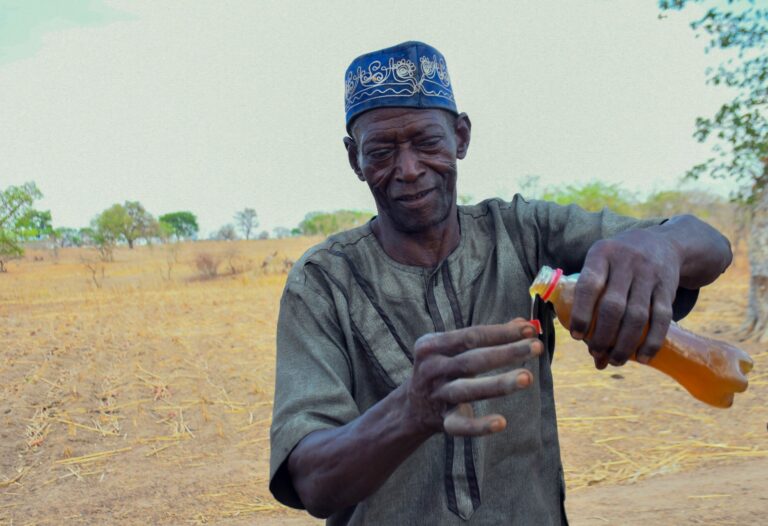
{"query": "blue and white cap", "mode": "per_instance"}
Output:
(410, 75)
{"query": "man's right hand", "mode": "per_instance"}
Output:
(444, 375)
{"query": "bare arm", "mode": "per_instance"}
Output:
(630, 281)
(333, 469)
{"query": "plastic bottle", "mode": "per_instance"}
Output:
(711, 370)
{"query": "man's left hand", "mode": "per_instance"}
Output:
(628, 283)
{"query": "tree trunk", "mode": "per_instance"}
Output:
(130, 243)
(756, 322)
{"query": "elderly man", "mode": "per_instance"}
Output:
(404, 395)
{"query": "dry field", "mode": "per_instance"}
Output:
(142, 395)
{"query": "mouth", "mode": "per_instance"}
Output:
(412, 198)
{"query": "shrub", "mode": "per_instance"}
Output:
(207, 264)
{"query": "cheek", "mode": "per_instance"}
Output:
(377, 178)
(445, 167)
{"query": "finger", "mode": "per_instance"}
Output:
(661, 317)
(455, 342)
(610, 311)
(477, 361)
(600, 358)
(457, 424)
(590, 285)
(632, 329)
(473, 389)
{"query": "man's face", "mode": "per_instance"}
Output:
(408, 158)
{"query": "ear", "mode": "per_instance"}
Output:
(351, 146)
(463, 129)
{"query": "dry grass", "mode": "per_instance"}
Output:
(147, 399)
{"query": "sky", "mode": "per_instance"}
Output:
(214, 106)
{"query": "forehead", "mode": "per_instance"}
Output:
(382, 122)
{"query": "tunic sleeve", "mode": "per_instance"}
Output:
(561, 236)
(313, 381)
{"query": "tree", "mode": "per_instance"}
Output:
(180, 224)
(592, 197)
(15, 204)
(226, 233)
(246, 221)
(327, 223)
(101, 236)
(127, 222)
(67, 237)
(142, 225)
(738, 131)
(87, 236)
(35, 224)
(281, 232)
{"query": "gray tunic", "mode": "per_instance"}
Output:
(349, 317)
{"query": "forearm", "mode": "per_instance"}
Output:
(705, 252)
(333, 469)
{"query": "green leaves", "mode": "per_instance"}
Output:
(181, 224)
(18, 220)
(127, 222)
(327, 223)
(739, 129)
(592, 197)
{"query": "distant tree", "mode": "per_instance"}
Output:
(465, 199)
(592, 197)
(35, 224)
(102, 238)
(295, 231)
(281, 232)
(127, 222)
(247, 221)
(738, 131)
(15, 204)
(67, 237)
(263, 234)
(226, 233)
(87, 236)
(183, 224)
(143, 224)
(327, 223)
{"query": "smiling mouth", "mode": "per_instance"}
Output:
(414, 197)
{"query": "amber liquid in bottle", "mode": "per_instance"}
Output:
(711, 370)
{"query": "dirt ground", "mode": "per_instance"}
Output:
(136, 392)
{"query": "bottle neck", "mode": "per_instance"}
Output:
(552, 290)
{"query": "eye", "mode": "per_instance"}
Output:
(430, 142)
(379, 154)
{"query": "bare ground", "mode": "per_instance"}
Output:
(147, 400)
(735, 494)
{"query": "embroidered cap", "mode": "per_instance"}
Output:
(411, 74)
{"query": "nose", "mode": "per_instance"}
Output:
(409, 168)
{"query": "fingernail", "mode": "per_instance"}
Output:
(496, 426)
(643, 358)
(576, 335)
(528, 332)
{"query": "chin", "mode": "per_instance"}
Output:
(413, 224)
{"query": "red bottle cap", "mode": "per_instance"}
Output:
(537, 324)
(552, 284)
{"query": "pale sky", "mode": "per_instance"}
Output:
(213, 106)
